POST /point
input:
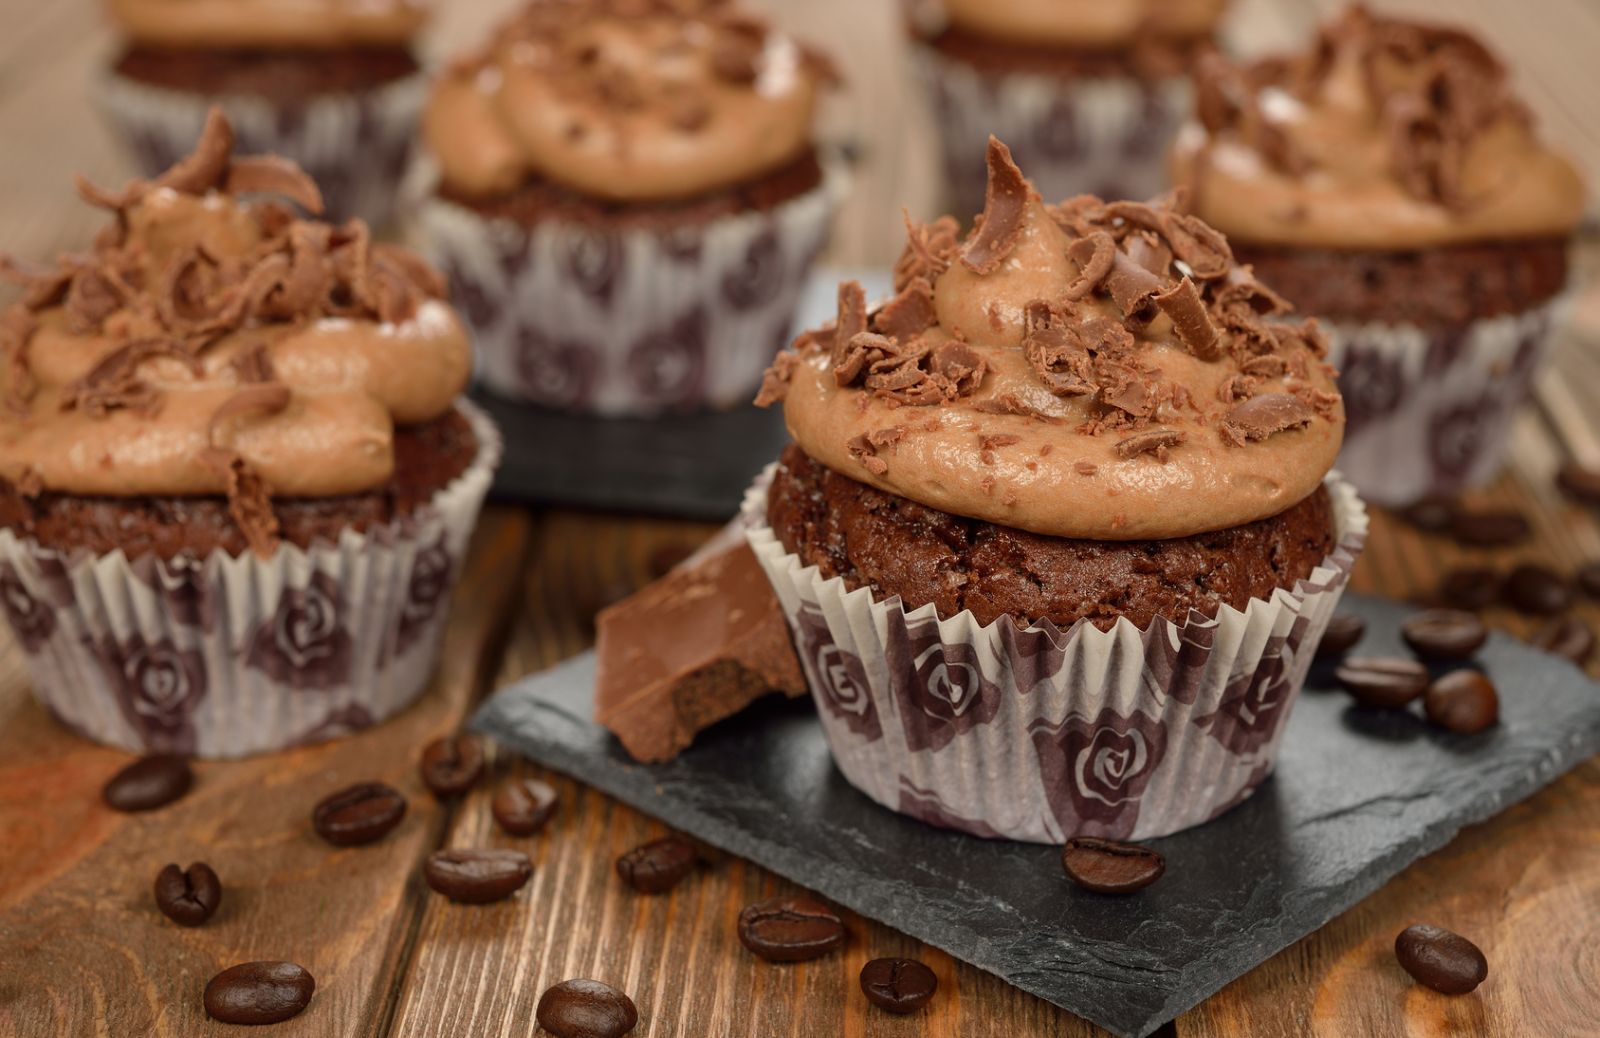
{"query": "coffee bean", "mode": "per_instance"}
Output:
(189, 897)
(1471, 587)
(523, 806)
(586, 1009)
(898, 985)
(1462, 701)
(476, 877)
(1382, 681)
(259, 993)
(149, 783)
(1490, 529)
(659, 865)
(1580, 483)
(1538, 590)
(361, 814)
(1444, 634)
(1344, 630)
(1109, 866)
(452, 765)
(1567, 637)
(1431, 514)
(1441, 960)
(790, 929)
(1589, 579)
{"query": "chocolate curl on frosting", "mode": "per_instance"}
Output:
(1265, 415)
(929, 249)
(1005, 210)
(1191, 323)
(249, 497)
(17, 325)
(271, 175)
(1094, 255)
(908, 314)
(852, 321)
(114, 384)
(1058, 357)
(206, 166)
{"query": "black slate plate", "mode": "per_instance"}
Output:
(1359, 794)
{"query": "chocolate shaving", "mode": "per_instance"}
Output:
(272, 175)
(113, 383)
(17, 325)
(1190, 322)
(250, 504)
(1148, 250)
(929, 249)
(863, 451)
(888, 436)
(1265, 415)
(1149, 441)
(865, 350)
(1005, 211)
(851, 321)
(1094, 255)
(1132, 288)
(1085, 468)
(1010, 403)
(1057, 356)
(990, 441)
(91, 298)
(775, 380)
(908, 314)
(205, 167)
(40, 288)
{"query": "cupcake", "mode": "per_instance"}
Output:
(236, 483)
(629, 200)
(1388, 181)
(1057, 536)
(1088, 93)
(332, 85)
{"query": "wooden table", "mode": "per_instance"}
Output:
(83, 951)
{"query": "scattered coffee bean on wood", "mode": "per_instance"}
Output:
(1471, 587)
(1539, 590)
(1432, 515)
(898, 985)
(1462, 701)
(1579, 482)
(259, 993)
(1441, 635)
(1110, 866)
(658, 866)
(477, 877)
(452, 765)
(1344, 631)
(586, 1009)
(790, 929)
(1490, 529)
(361, 814)
(149, 783)
(1441, 960)
(1386, 682)
(188, 896)
(1567, 637)
(1588, 579)
(523, 806)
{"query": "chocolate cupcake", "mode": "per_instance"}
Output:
(330, 84)
(236, 483)
(629, 200)
(1088, 93)
(1388, 181)
(1057, 535)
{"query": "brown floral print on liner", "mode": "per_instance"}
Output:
(305, 644)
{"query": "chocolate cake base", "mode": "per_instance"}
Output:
(281, 75)
(898, 547)
(427, 458)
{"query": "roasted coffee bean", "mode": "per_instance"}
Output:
(1433, 514)
(1441, 960)
(1109, 866)
(586, 1009)
(1589, 579)
(189, 897)
(1567, 637)
(523, 806)
(658, 866)
(1538, 590)
(1344, 630)
(476, 877)
(1462, 701)
(790, 929)
(1471, 587)
(452, 765)
(259, 993)
(1444, 634)
(360, 814)
(1490, 529)
(149, 783)
(1382, 681)
(898, 985)
(1580, 483)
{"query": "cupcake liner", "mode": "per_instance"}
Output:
(1106, 136)
(626, 321)
(1429, 412)
(223, 656)
(1029, 733)
(357, 146)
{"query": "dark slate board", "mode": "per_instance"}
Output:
(695, 466)
(1359, 794)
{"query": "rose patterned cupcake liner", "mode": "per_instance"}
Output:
(1429, 412)
(1032, 733)
(630, 322)
(224, 657)
(357, 146)
(1103, 136)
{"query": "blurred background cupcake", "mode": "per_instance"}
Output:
(628, 200)
(1088, 93)
(1387, 180)
(331, 84)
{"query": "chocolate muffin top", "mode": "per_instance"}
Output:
(1088, 369)
(1385, 134)
(625, 100)
(268, 24)
(209, 345)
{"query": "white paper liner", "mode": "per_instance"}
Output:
(1429, 413)
(1106, 136)
(357, 146)
(630, 322)
(224, 657)
(1035, 734)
